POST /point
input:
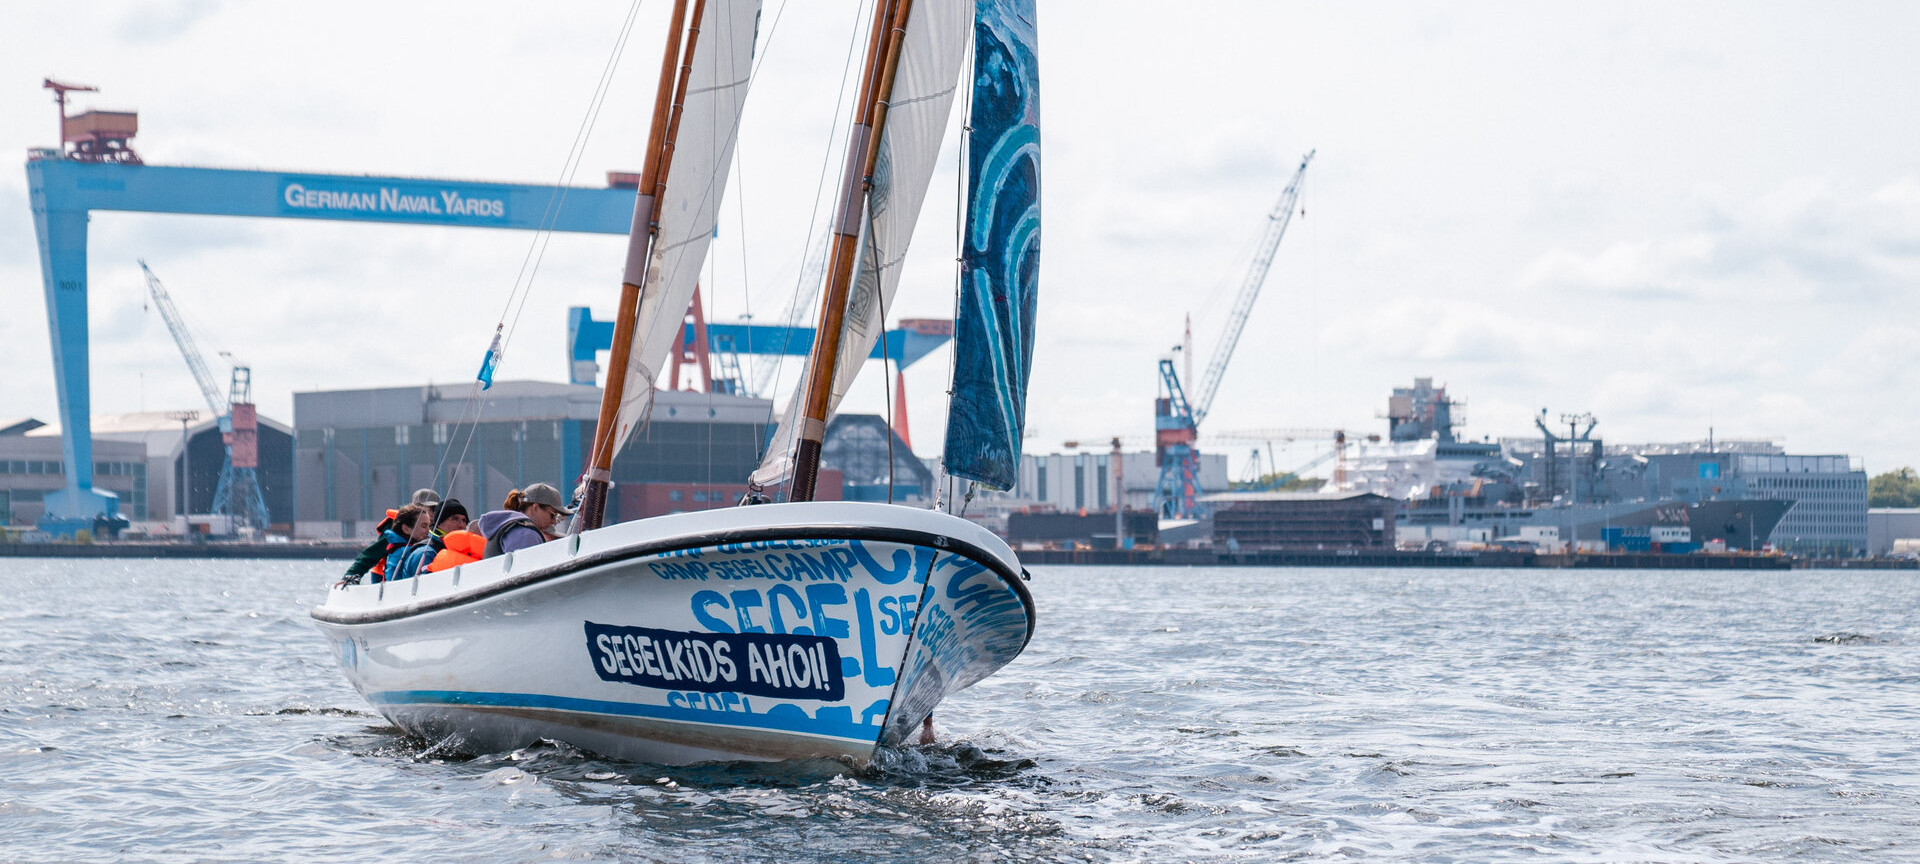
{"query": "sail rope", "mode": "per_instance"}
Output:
(523, 281)
(709, 261)
(960, 178)
(813, 223)
(886, 383)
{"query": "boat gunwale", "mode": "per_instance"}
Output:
(674, 544)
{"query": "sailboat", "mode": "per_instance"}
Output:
(783, 630)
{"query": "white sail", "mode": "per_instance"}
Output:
(929, 74)
(696, 180)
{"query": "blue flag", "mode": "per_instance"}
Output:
(493, 359)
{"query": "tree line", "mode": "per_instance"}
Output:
(1894, 489)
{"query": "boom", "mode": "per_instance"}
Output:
(1277, 222)
(184, 338)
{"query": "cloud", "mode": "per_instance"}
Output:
(162, 22)
(1801, 241)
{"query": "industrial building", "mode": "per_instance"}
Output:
(1893, 531)
(360, 452)
(1097, 530)
(164, 489)
(1084, 481)
(1266, 521)
(874, 463)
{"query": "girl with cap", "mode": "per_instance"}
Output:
(523, 519)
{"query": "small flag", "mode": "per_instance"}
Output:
(492, 360)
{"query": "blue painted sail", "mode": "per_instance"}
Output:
(1000, 254)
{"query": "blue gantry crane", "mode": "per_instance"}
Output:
(237, 495)
(1176, 420)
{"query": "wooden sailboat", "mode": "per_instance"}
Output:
(783, 630)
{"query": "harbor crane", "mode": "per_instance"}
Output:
(1176, 419)
(238, 493)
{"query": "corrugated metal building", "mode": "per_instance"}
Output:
(360, 452)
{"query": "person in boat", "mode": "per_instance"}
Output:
(459, 547)
(449, 516)
(411, 525)
(373, 559)
(523, 520)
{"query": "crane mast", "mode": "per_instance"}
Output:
(1176, 418)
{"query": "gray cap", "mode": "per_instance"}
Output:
(425, 497)
(541, 493)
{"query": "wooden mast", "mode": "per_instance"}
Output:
(667, 100)
(863, 150)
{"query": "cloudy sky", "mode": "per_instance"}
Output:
(1672, 216)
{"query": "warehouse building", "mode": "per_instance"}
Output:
(359, 452)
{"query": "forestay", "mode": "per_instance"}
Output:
(696, 181)
(1000, 254)
(930, 60)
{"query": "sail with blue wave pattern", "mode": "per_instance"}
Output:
(1000, 254)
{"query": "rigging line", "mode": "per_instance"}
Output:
(546, 237)
(708, 260)
(813, 223)
(574, 152)
(886, 379)
(819, 191)
(964, 155)
(555, 200)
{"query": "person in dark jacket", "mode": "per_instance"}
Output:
(523, 519)
(450, 516)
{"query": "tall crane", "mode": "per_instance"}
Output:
(238, 493)
(1177, 420)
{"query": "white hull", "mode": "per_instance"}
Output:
(779, 631)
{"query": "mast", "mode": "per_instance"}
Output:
(863, 150)
(646, 226)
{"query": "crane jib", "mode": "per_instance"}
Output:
(1277, 224)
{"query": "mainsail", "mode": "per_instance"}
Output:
(1000, 254)
(701, 153)
(929, 72)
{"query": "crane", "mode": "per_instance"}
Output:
(238, 493)
(1176, 419)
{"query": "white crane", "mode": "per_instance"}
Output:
(238, 492)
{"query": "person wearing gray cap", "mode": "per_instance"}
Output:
(523, 519)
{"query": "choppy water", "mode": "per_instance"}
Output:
(187, 711)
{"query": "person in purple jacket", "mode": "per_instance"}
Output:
(523, 519)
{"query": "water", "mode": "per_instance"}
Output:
(187, 711)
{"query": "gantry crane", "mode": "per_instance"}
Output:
(238, 493)
(1176, 420)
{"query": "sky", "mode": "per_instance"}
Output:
(1675, 217)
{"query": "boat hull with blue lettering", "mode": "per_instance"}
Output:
(780, 631)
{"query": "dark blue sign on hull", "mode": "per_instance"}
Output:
(774, 665)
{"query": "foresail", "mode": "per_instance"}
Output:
(929, 73)
(696, 181)
(1000, 254)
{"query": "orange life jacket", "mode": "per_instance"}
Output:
(462, 547)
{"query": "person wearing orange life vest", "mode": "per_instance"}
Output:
(373, 559)
(458, 547)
